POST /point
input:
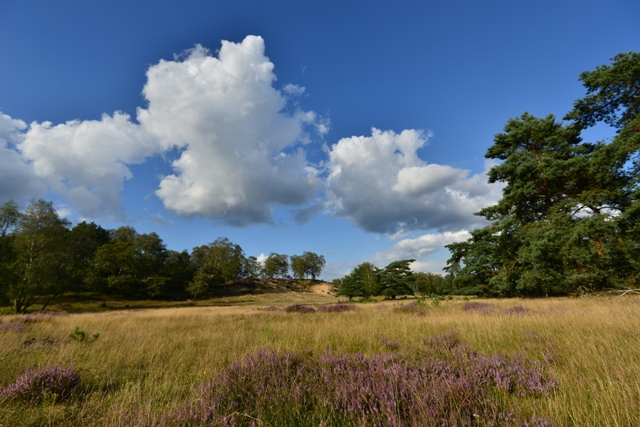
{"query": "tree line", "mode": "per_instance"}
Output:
(396, 279)
(569, 217)
(43, 256)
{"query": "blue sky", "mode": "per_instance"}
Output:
(356, 131)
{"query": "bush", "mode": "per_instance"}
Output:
(518, 309)
(440, 382)
(334, 308)
(299, 308)
(15, 327)
(39, 316)
(55, 382)
(479, 307)
(81, 336)
(412, 308)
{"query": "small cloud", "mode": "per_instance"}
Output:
(262, 258)
(293, 90)
(159, 219)
(63, 211)
(420, 247)
(304, 215)
(435, 266)
(337, 270)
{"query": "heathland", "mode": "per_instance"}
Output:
(298, 358)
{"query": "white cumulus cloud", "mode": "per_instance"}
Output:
(18, 180)
(242, 152)
(381, 185)
(420, 247)
(86, 161)
(240, 143)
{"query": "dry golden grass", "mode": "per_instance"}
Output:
(148, 361)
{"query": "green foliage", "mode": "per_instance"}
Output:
(308, 264)
(77, 250)
(252, 268)
(276, 266)
(428, 284)
(41, 265)
(198, 286)
(131, 264)
(569, 215)
(9, 217)
(396, 279)
(81, 336)
(217, 263)
(350, 286)
(363, 281)
(178, 270)
(369, 274)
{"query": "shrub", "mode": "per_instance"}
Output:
(79, 335)
(441, 382)
(412, 308)
(479, 307)
(518, 309)
(299, 308)
(39, 316)
(339, 307)
(54, 382)
(391, 345)
(14, 327)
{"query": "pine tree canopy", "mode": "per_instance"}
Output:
(569, 216)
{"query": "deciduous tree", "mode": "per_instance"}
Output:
(39, 266)
(276, 266)
(308, 264)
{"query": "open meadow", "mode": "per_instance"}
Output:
(566, 362)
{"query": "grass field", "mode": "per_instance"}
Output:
(149, 362)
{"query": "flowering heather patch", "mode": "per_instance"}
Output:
(299, 308)
(54, 381)
(15, 327)
(39, 316)
(391, 345)
(517, 310)
(335, 308)
(543, 345)
(479, 307)
(439, 383)
(412, 308)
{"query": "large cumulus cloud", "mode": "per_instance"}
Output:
(18, 179)
(239, 156)
(240, 144)
(381, 185)
(86, 161)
